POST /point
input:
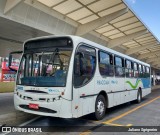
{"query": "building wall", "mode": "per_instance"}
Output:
(6, 47)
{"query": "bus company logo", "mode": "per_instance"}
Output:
(19, 88)
(52, 90)
(114, 82)
(102, 82)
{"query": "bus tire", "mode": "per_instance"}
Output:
(100, 107)
(139, 96)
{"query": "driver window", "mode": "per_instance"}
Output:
(84, 65)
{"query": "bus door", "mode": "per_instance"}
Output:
(119, 81)
(83, 88)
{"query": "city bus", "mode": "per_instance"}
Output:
(69, 77)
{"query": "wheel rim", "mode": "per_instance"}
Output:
(100, 107)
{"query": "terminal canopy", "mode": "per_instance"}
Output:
(110, 20)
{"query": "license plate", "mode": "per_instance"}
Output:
(34, 106)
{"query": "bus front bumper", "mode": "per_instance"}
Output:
(44, 108)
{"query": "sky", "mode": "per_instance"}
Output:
(149, 13)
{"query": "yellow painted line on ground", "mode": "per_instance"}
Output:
(113, 124)
(109, 122)
(130, 111)
(98, 122)
(86, 132)
(129, 125)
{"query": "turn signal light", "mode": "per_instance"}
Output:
(76, 107)
(62, 93)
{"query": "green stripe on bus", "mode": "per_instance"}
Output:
(134, 86)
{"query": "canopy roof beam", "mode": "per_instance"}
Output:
(145, 55)
(11, 4)
(155, 62)
(137, 49)
(90, 26)
(119, 41)
(149, 60)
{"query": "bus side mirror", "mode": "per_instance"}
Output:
(11, 60)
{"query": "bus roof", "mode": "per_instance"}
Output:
(77, 40)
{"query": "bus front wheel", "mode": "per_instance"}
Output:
(100, 107)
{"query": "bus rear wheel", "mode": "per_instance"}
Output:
(100, 107)
(139, 96)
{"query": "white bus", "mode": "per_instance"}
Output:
(69, 76)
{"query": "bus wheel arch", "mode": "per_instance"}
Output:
(103, 93)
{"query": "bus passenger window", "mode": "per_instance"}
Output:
(147, 72)
(106, 64)
(140, 71)
(119, 67)
(144, 71)
(84, 65)
(135, 70)
(128, 69)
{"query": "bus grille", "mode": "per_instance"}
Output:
(41, 109)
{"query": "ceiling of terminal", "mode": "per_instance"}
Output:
(123, 28)
(13, 34)
(12, 30)
(86, 11)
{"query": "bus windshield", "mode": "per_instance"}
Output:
(44, 69)
(44, 66)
